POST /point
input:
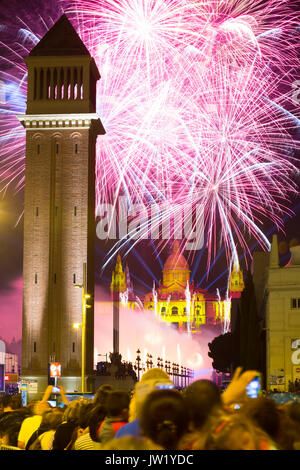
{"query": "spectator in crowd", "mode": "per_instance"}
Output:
(102, 393)
(201, 399)
(83, 421)
(10, 425)
(266, 415)
(32, 423)
(117, 415)
(142, 388)
(10, 403)
(202, 417)
(66, 433)
(232, 433)
(89, 440)
(42, 439)
(163, 418)
(293, 411)
(292, 427)
(130, 443)
(37, 408)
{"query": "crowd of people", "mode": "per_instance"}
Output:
(294, 387)
(154, 416)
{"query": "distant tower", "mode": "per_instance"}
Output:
(236, 283)
(59, 213)
(236, 287)
(118, 285)
(129, 284)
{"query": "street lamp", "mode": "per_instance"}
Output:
(138, 361)
(85, 296)
(160, 362)
(149, 361)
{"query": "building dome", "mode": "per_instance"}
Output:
(176, 261)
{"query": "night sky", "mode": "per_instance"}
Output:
(143, 262)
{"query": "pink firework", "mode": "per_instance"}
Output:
(191, 99)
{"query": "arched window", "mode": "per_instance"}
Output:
(174, 310)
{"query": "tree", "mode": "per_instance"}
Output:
(247, 332)
(222, 352)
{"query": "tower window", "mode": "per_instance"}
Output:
(73, 347)
(35, 278)
(295, 303)
(54, 278)
(38, 149)
(174, 310)
(75, 211)
(37, 211)
(76, 148)
(74, 278)
(34, 346)
(57, 148)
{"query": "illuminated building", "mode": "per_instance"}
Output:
(282, 320)
(236, 283)
(178, 301)
(59, 212)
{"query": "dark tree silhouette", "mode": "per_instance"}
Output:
(241, 347)
(221, 352)
(247, 344)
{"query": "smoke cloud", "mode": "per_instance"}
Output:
(142, 330)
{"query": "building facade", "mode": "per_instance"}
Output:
(59, 210)
(283, 320)
(177, 301)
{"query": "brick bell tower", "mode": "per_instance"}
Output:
(59, 212)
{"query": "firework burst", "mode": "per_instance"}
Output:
(192, 100)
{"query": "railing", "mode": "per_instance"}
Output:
(180, 375)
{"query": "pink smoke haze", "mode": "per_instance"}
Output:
(138, 330)
(11, 311)
(141, 330)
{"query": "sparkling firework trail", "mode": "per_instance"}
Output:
(191, 99)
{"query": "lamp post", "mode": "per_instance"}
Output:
(173, 372)
(168, 367)
(149, 361)
(138, 360)
(85, 296)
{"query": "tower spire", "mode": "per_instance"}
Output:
(236, 282)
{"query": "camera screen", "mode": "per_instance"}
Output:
(253, 388)
(164, 386)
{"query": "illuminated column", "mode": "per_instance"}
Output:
(59, 208)
(118, 285)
